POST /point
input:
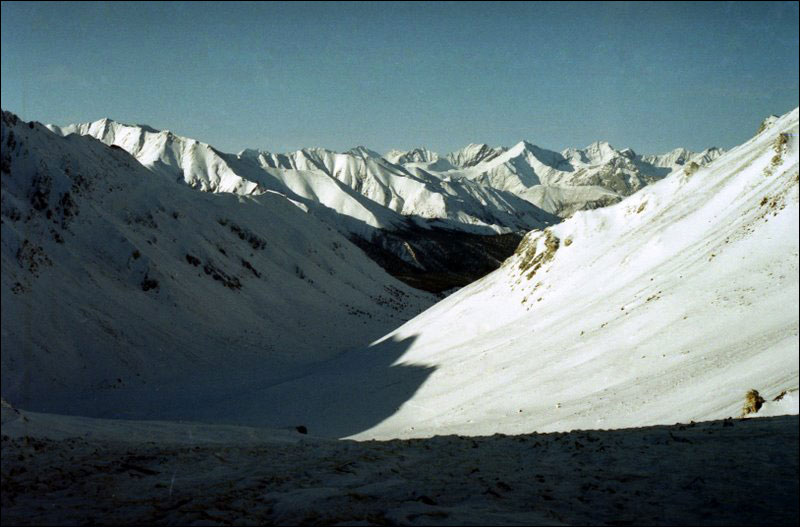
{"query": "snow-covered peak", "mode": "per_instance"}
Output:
(417, 155)
(518, 149)
(574, 179)
(680, 156)
(252, 153)
(473, 154)
(520, 155)
(597, 153)
(363, 151)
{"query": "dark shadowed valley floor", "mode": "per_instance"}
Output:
(711, 473)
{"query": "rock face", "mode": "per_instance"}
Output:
(752, 403)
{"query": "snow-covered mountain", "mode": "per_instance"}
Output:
(473, 154)
(562, 183)
(176, 157)
(114, 277)
(666, 307)
(351, 183)
(462, 205)
(417, 155)
(120, 287)
(392, 212)
(475, 189)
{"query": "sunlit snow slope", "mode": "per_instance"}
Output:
(666, 307)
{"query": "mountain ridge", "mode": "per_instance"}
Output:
(559, 182)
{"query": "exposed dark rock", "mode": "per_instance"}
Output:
(436, 259)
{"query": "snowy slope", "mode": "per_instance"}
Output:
(666, 307)
(350, 183)
(114, 278)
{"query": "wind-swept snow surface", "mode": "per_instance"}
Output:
(668, 306)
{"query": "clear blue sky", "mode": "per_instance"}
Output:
(283, 76)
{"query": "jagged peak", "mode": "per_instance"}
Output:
(362, 151)
(108, 121)
(416, 155)
(522, 146)
(599, 146)
(252, 153)
(473, 154)
(595, 153)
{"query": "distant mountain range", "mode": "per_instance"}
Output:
(422, 216)
(560, 183)
(474, 189)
